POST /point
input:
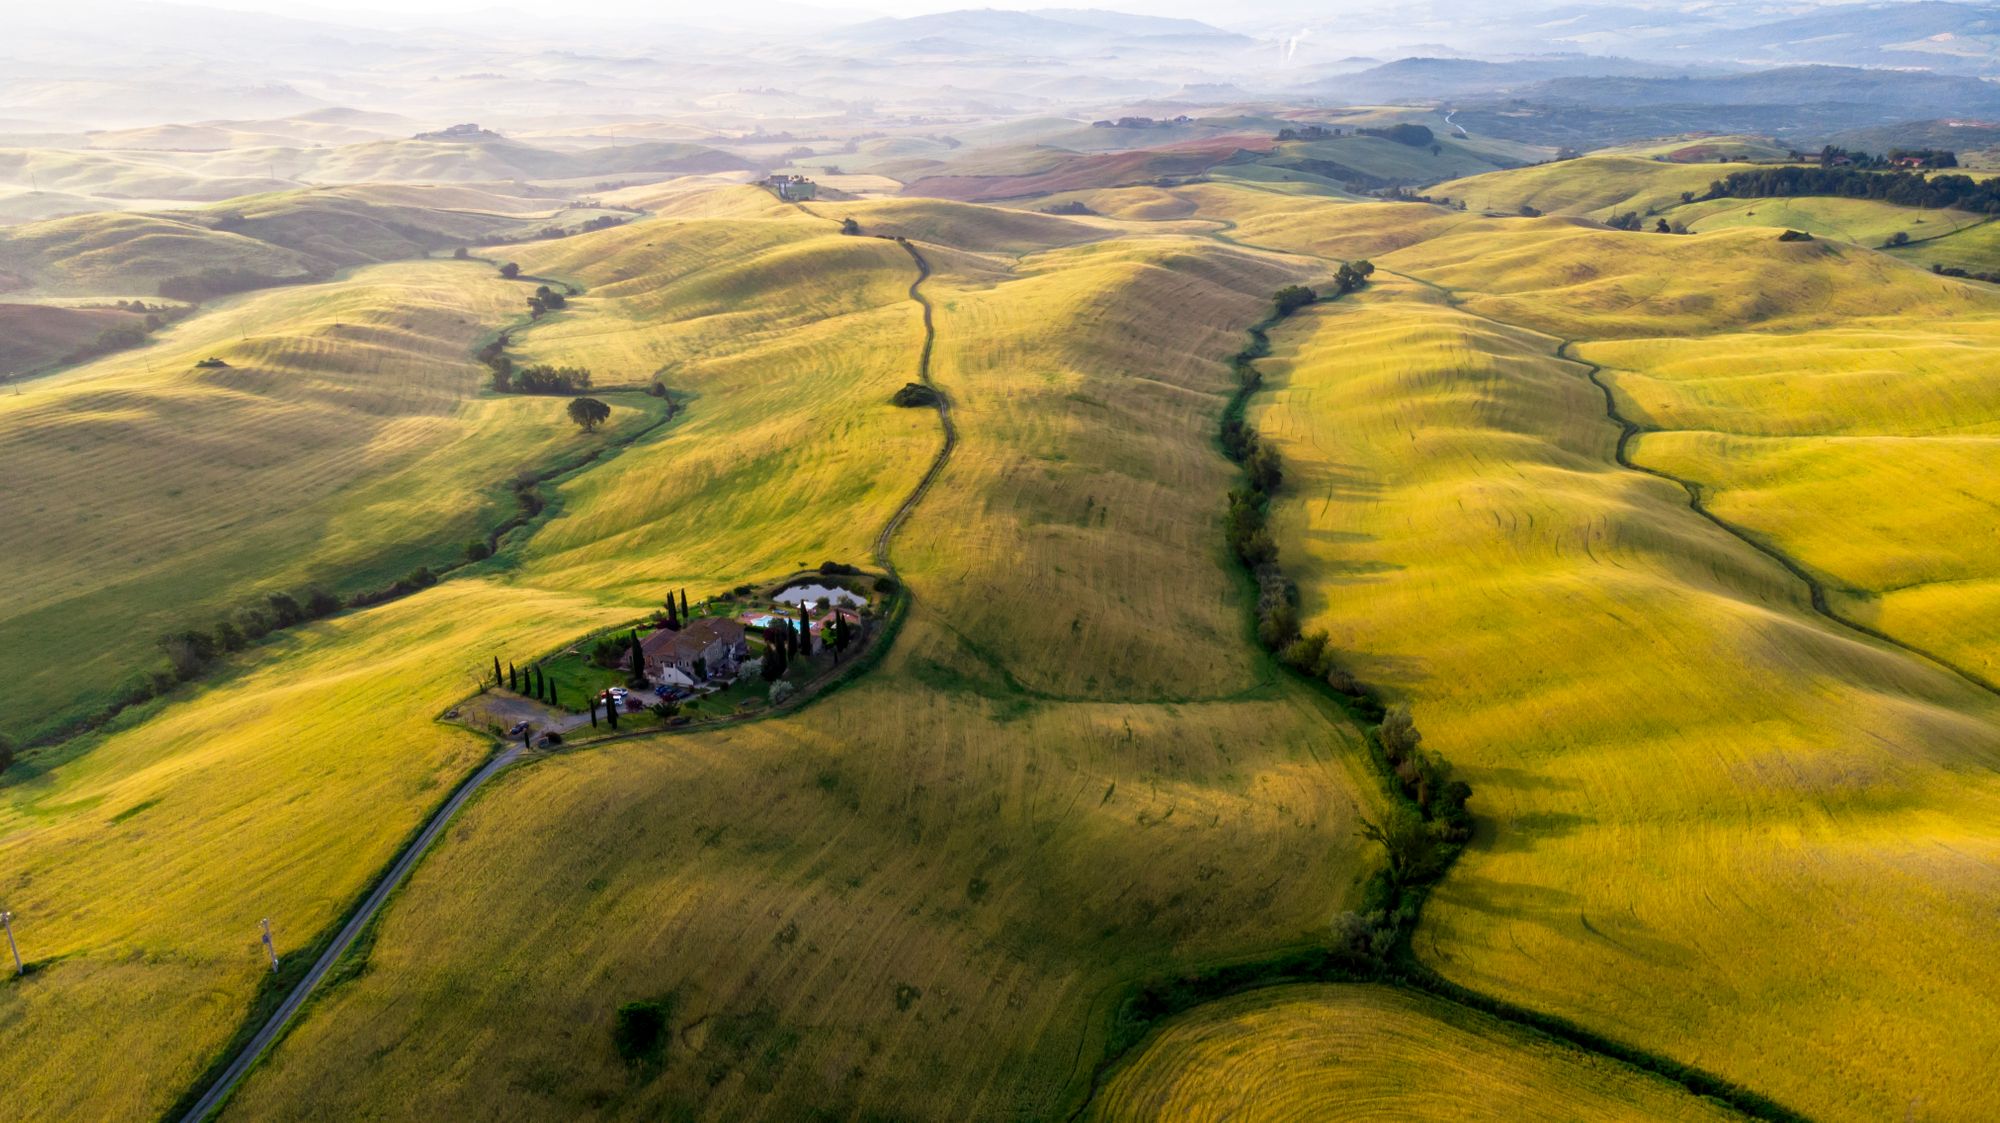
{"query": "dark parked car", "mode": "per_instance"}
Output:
(520, 727)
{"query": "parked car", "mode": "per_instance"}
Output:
(520, 727)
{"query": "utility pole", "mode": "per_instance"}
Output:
(7, 922)
(268, 947)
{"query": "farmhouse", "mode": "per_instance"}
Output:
(705, 648)
(793, 188)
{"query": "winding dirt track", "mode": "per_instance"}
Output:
(944, 416)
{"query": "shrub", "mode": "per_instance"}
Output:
(477, 550)
(849, 226)
(1398, 733)
(1900, 238)
(1306, 652)
(781, 691)
(254, 622)
(640, 1032)
(320, 603)
(837, 569)
(1795, 236)
(211, 363)
(284, 609)
(1276, 628)
(1527, 211)
(664, 710)
(1291, 298)
(914, 394)
(886, 584)
(229, 636)
(510, 270)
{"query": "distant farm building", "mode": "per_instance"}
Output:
(793, 188)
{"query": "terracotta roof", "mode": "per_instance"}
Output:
(674, 647)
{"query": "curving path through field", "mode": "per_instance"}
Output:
(943, 410)
(398, 870)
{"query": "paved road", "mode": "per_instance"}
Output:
(220, 1090)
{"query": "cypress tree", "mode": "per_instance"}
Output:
(638, 658)
(513, 681)
(554, 700)
(805, 630)
(673, 617)
(496, 671)
(593, 712)
(611, 713)
(684, 604)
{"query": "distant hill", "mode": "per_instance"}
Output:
(1424, 79)
(235, 246)
(1927, 33)
(1790, 103)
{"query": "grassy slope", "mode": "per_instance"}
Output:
(139, 865)
(1725, 819)
(1864, 222)
(311, 731)
(1367, 1052)
(1592, 186)
(922, 898)
(1386, 159)
(1975, 249)
(36, 336)
(1868, 451)
(355, 402)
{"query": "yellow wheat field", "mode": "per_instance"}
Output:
(1336, 1052)
(1714, 824)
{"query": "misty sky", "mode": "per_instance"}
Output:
(1221, 12)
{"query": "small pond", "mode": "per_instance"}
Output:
(820, 595)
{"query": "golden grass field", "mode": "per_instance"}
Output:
(974, 876)
(1009, 838)
(1592, 186)
(1360, 1051)
(357, 405)
(1868, 452)
(1714, 823)
(1865, 222)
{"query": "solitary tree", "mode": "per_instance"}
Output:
(588, 413)
(510, 270)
